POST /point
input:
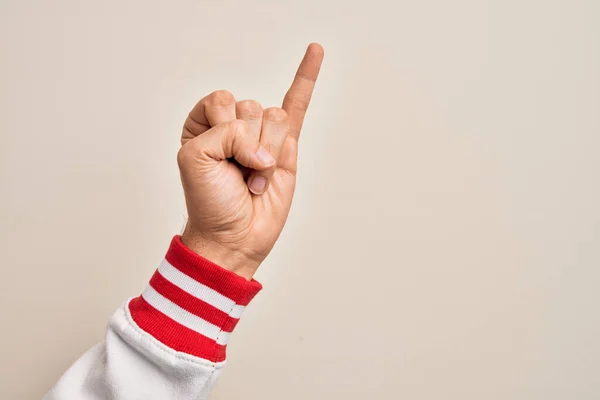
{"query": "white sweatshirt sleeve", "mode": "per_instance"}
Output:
(168, 343)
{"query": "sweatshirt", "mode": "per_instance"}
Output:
(167, 343)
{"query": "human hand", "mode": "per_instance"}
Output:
(238, 169)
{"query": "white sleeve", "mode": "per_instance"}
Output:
(168, 343)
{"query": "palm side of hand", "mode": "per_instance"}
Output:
(223, 210)
(234, 220)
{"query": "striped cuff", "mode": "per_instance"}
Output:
(191, 304)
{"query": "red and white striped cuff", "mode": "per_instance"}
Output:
(191, 304)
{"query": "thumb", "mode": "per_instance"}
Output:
(228, 140)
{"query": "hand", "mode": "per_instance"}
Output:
(238, 170)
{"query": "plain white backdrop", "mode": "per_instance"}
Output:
(445, 237)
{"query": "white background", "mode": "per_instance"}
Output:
(444, 242)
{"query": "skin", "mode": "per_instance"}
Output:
(238, 167)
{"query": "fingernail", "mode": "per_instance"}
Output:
(258, 184)
(265, 157)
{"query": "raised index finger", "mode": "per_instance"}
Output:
(296, 100)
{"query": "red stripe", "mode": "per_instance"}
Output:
(210, 274)
(192, 304)
(173, 334)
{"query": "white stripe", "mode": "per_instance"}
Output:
(200, 291)
(184, 317)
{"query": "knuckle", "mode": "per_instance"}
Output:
(221, 98)
(239, 127)
(275, 114)
(192, 126)
(296, 100)
(250, 109)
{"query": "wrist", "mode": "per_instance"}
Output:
(226, 257)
